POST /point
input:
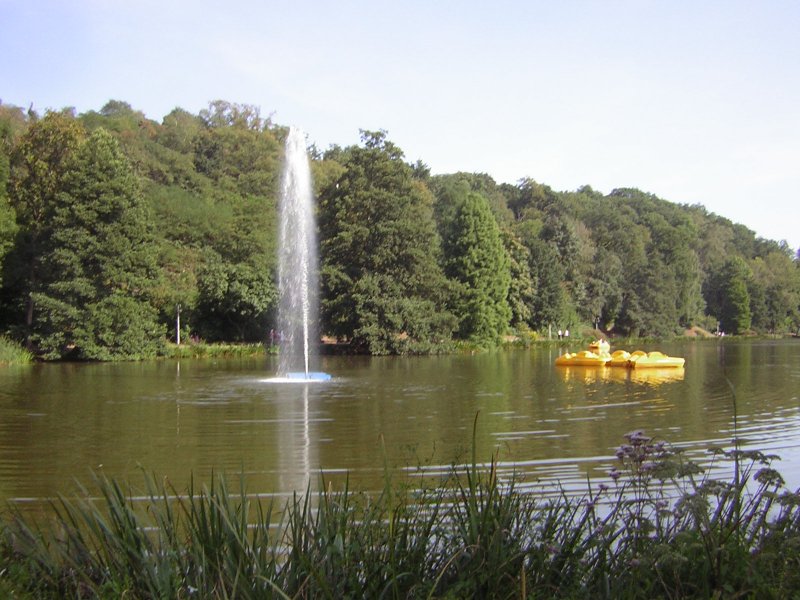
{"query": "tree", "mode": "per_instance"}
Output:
(237, 149)
(532, 199)
(178, 130)
(522, 291)
(775, 291)
(735, 316)
(223, 114)
(604, 288)
(8, 224)
(477, 261)
(94, 301)
(648, 306)
(234, 301)
(39, 166)
(481, 184)
(382, 286)
(549, 306)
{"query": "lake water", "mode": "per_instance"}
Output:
(61, 422)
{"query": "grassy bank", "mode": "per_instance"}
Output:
(656, 528)
(12, 353)
(215, 350)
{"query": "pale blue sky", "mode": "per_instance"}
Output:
(694, 101)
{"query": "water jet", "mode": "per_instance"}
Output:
(298, 282)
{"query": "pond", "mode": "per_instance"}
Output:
(59, 423)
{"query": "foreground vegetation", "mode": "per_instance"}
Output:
(12, 353)
(112, 223)
(657, 528)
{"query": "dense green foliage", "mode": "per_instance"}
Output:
(100, 262)
(734, 314)
(7, 219)
(656, 528)
(110, 221)
(383, 287)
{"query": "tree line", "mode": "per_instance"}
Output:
(110, 221)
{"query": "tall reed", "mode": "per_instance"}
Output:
(12, 353)
(658, 527)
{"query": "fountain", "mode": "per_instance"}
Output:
(297, 265)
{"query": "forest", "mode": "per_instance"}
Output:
(110, 221)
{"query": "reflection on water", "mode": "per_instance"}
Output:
(58, 423)
(654, 376)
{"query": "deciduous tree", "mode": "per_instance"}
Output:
(94, 301)
(39, 166)
(383, 287)
(735, 316)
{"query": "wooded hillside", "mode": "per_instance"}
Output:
(109, 221)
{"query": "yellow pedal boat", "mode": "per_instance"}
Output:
(619, 358)
(658, 360)
(600, 346)
(584, 358)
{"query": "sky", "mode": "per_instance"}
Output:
(695, 101)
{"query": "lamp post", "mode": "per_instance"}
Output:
(178, 325)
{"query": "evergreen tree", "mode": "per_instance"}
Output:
(94, 302)
(477, 261)
(522, 291)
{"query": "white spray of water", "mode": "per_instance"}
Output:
(297, 264)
